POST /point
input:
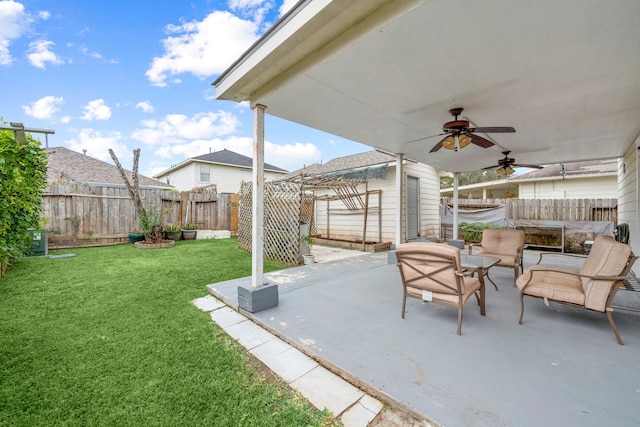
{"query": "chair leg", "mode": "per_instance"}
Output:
(492, 282)
(404, 302)
(521, 308)
(613, 326)
(460, 320)
(515, 275)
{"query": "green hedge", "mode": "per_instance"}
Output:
(22, 178)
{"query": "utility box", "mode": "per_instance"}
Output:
(39, 242)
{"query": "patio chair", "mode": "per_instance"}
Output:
(504, 243)
(432, 272)
(592, 287)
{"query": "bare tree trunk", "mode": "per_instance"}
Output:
(134, 190)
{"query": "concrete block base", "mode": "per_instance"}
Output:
(213, 234)
(257, 299)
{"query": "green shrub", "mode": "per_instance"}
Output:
(22, 178)
(472, 231)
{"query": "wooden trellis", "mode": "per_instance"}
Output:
(286, 205)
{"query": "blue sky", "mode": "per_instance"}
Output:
(138, 74)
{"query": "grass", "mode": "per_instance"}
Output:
(109, 337)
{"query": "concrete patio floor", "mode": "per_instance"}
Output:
(562, 366)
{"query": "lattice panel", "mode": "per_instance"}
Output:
(282, 217)
(244, 217)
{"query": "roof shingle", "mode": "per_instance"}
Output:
(71, 165)
(232, 158)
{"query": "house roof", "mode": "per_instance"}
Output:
(572, 170)
(65, 164)
(386, 73)
(368, 158)
(223, 157)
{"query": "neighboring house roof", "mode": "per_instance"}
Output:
(368, 158)
(222, 157)
(65, 164)
(571, 170)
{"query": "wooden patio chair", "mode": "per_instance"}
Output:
(504, 243)
(432, 272)
(592, 287)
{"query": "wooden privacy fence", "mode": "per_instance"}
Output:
(547, 209)
(77, 213)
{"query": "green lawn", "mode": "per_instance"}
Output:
(109, 337)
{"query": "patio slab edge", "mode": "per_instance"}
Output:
(420, 419)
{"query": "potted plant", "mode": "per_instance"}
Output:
(306, 242)
(173, 232)
(135, 236)
(189, 231)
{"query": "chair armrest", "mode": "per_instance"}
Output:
(472, 245)
(569, 273)
(550, 254)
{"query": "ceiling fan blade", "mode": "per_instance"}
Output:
(480, 141)
(493, 129)
(426, 137)
(521, 165)
(438, 145)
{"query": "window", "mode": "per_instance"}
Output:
(205, 176)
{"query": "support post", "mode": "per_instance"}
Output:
(260, 295)
(399, 189)
(455, 206)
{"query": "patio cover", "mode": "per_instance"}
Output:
(384, 73)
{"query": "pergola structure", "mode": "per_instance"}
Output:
(345, 191)
(385, 73)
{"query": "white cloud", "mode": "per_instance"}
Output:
(14, 22)
(289, 157)
(145, 106)
(254, 9)
(96, 110)
(40, 53)
(286, 6)
(203, 48)
(44, 15)
(85, 51)
(65, 119)
(97, 144)
(178, 128)
(43, 108)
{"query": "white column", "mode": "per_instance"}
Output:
(399, 189)
(257, 227)
(455, 206)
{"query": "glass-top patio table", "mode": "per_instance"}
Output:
(478, 264)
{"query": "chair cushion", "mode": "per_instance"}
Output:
(607, 258)
(502, 242)
(553, 283)
(427, 257)
(470, 285)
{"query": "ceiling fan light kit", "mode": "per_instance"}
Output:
(505, 171)
(455, 142)
(505, 165)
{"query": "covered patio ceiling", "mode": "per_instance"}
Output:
(565, 75)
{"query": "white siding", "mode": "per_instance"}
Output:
(226, 178)
(628, 196)
(347, 225)
(182, 178)
(602, 187)
(429, 198)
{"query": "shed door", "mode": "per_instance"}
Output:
(412, 207)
